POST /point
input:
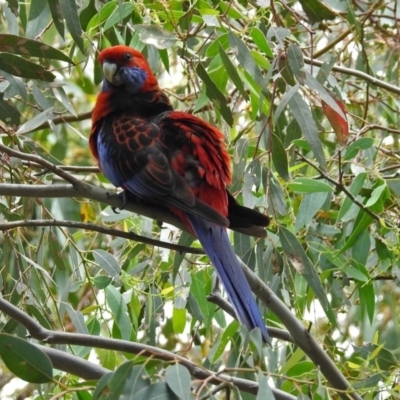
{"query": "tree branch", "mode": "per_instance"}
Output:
(73, 364)
(91, 192)
(358, 74)
(301, 336)
(51, 337)
(5, 226)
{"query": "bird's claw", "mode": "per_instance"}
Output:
(123, 197)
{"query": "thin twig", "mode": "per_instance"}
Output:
(5, 226)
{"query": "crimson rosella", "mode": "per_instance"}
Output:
(176, 160)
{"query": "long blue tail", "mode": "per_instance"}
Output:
(216, 244)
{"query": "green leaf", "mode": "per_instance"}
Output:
(179, 319)
(178, 379)
(39, 13)
(9, 114)
(296, 62)
(367, 300)
(156, 35)
(184, 240)
(230, 330)
(13, 5)
(154, 309)
(284, 101)
(36, 121)
(119, 13)
(57, 16)
(156, 391)
(101, 282)
(302, 264)
(107, 262)
(354, 189)
(304, 118)
(119, 312)
(324, 94)
(232, 72)
(362, 222)
(354, 273)
(376, 195)
(87, 14)
(261, 42)
(355, 147)
(316, 11)
(70, 12)
(25, 360)
(309, 206)
(308, 185)
(244, 57)
(18, 66)
(279, 157)
(215, 95)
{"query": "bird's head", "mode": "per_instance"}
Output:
(126, 67)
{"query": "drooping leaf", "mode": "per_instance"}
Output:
(214, 94)
(87, 14)
(18, 66)
(119, 311)
(309, 206)
(70, 12)
(317, 11)
(232, 72)
(30, 48)
(118, 15)
(296, 62)
(179, 319)
(178, 379)
(304, 118)
(362, 222)
(13, 5)
(308, 185)
(9, 114)
(156, 35)
(339, 124)
(261, 41)
(356, 146)
(279, 158)
(244, 57)
(354, 189)
(57, 16)
(107, 262)
(38, 18)
(303, 265)
(156, 391)
(225, 338)
(25, 360)
(36, 121)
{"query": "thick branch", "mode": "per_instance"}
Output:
(72, 364)
(91, 192)
(51, 337)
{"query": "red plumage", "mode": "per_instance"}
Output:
(174, 159)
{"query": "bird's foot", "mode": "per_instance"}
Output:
(124, 199)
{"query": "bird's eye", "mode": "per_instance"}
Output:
(128, 56)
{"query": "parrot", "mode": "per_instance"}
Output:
(176, 160)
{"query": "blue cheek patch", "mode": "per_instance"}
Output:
(134, 79)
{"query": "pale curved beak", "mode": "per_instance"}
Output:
(110, 71)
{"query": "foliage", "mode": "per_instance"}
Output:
(284, 81)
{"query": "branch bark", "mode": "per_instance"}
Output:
(51, 337)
